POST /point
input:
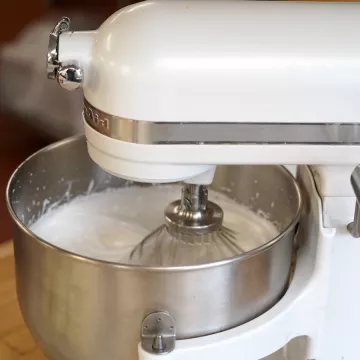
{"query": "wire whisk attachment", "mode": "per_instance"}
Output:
(192, 233)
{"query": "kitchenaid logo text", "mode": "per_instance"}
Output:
(96, 118)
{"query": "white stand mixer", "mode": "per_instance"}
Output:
(174, 88)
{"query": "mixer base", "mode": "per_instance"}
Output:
(307, 313)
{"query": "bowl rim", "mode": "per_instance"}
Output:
(134, 267)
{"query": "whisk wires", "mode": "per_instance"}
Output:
(192, 233)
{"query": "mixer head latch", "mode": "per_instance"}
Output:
(158, 334)
(69, 75)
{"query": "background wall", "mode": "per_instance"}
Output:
(20, 135)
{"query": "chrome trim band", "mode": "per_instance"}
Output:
(162, 133)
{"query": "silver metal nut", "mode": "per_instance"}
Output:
(70, 77)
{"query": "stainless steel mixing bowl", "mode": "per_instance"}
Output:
(83, 309)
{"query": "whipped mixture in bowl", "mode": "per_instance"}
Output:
(108, 225)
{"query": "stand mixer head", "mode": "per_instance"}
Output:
(173, 99)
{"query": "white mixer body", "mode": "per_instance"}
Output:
(174, 88)
(163, 77)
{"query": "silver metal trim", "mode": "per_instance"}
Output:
(170, 133)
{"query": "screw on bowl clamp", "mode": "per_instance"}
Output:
(158, 334)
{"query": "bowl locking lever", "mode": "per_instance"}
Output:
(354, 227)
